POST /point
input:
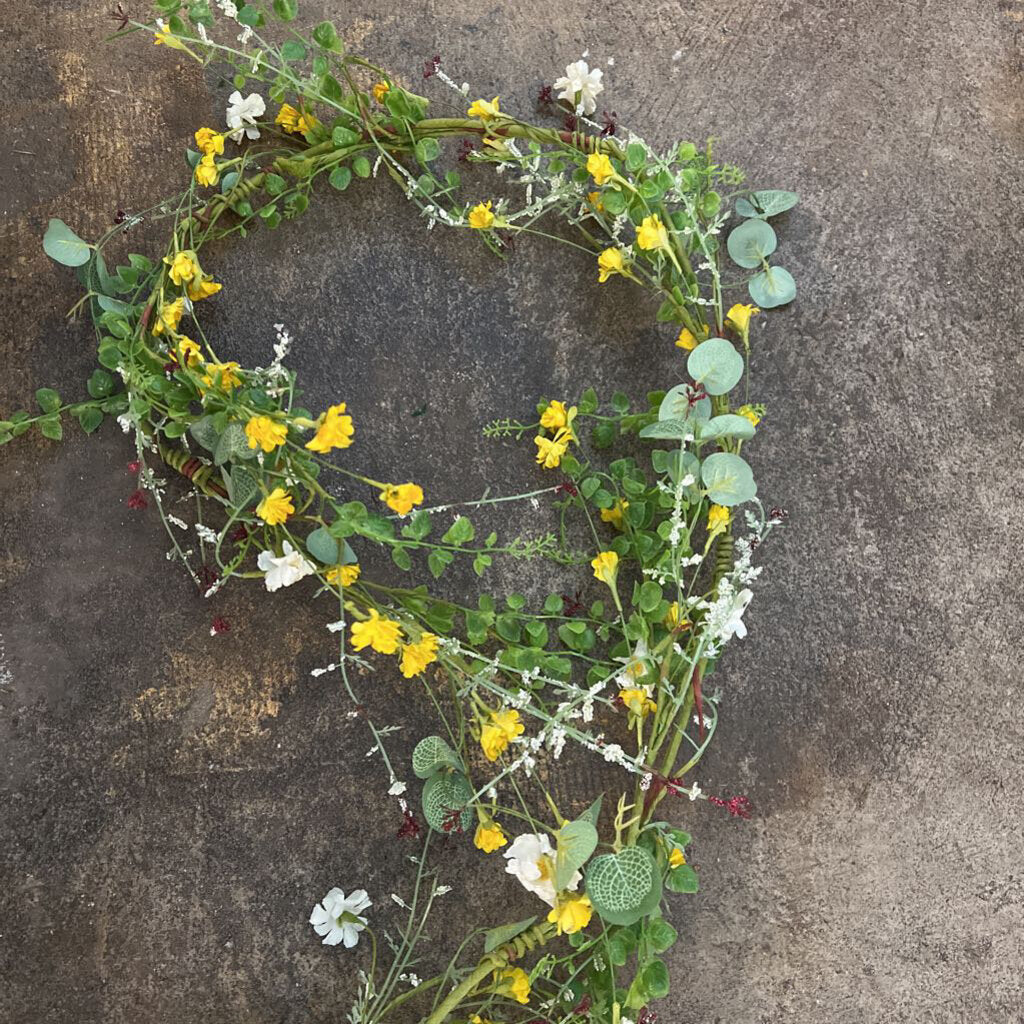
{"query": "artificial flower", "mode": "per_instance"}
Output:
(571, 914)
(416, 657)
(675, 619)
(750, 413)
(292, 120)
(600, 168)
(606, 567)
(739, 316)
(242, 114)
(652, 234)
(167, 38)
(676, 859)
(513, 982)
(345, 575)
(380, 90)
(276, 507)
(223, 373)
(555, 416)
(383, 635)
(334, 430)
(210, 142)
(495, 735)
(265, 433)
(613, 515)
(609, 261)
(183, 266)
(718, 518)
(400, 498)
(579, 79)
(638, 701)
(551, 450)
(634, 664)
(531, 858)
(489, 836)
(338, 918)
(686, 339)
(285, 570)
(484, 110)
(202, 287)
(188, 352)
(206, 171)
(727, 620)
(170, 316)
(480, 217)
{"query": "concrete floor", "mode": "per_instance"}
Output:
(174, 804)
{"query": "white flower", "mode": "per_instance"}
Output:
(580, 79)
(242, 114)
(284, 571)
(397, 789)
(228, 7)
(337, 918)
(531, 858)
(693, 792)
(725, 619)
(636, 664)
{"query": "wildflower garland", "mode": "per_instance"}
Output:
(673, 535)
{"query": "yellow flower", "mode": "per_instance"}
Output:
(554, 416)
(210, 141)
(613, 515)
(748, 412)
(606, 567)
(496, 734)
(480, 217)
(289, 118)
(686, 339)
(477, 1019)
(183, 267)
(676, 859)
(416, 657)
(202, 287)
(594, 198)
(571, 914)
(600, 167)
(165, 38)
(652, 234)
(718, 518)
(489, 836)
(206, 171)
(674, 619)
(400, 498)
(379, 633)
(638, 702)
(550, 451)
(335, 430)
(276, 507)
(739, 316)
(189, 353)
(265, 433)
(345, 575)
(170, 316)
(609, 262)
(380, 90)
(224, 373)
(513, 981)
(484, 110)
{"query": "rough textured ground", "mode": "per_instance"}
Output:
(173, 803)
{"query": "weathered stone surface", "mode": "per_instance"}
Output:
(174, 803)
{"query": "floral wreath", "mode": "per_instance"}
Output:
(671, 536)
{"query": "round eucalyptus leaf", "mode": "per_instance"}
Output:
(446, 803)
(624, 886)
(667, 430)
(726, 425)
(751, 242)
(60, 243)
(772, 287)
(727, 479)
(431, 755)
(676, 405)
(716, 364)
(577, 840)
(766, 203)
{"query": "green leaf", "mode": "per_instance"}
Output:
(243, 486)
(667, 430)
(50, 427)
(624, 886)
(331, 89)
(650, 596)
(728, 479)
(727, 425)
(325, 35)
(89, 419)
(593, 812)
(325, 548)
(655, 980)
(588, 401)
(577, 840)
(506, 933)
(676, 405)
(101, 384)
(419, 526)
(342, 136)
(401, 558)
(286, 10)
(766, 203)
(361, 166)
(438, 561)
(683, 879)
(432, 754)
(292, 50)
(636, 156)
(232, 444)
(48, 399)
(427, 150)
(661, 935)
(460, 532)
(274, 184)
(716, 364)
(205, 432)
(340, 178)
(60, 243)
(443, 796)
(751, 242)
(772, 287)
